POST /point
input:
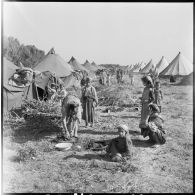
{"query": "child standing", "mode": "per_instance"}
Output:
(120, 146)
(158, 94)
(147, 98)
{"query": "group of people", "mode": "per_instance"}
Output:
(54, 93)
(151, 123)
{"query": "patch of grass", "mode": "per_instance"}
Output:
(177, 115)
(25, 153)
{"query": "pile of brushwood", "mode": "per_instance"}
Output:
(118, 96)
(44, 113)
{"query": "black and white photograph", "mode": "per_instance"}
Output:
(97, 97)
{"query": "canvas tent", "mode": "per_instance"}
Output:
(161, 65)
(148, 67)
(95, 65)
(12, 96)
(55, 64)
(179, 66)
(187, 80)
(136, 67)
(8, 70)
(89, 67)
(76, 65)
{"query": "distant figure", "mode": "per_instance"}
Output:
(118, 76)
(158, 94)
(131, 78)
(104, 77)
(147, 98)
(121, 146)
(89, 102)
(172, 79)
(121, 76)
(108, 79)
(155, 129)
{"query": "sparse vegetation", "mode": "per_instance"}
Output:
(40, 168)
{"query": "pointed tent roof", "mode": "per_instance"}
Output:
(179, 66)
(136, 67)
(162, 64)
(142, 65)
(148, 67)
(76, 65)
(89, 66)
(93, 63)
(55, 64)
(187, 80)
(96, 66)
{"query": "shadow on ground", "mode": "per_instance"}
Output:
(141, 143)
(27, 132)
(130, 117)
(94, 132)
(88, 157)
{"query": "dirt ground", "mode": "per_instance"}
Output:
(165, 169)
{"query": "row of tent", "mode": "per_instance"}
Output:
(56, 64)
(178, 66)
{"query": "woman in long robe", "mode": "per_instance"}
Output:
(147, 98)
(89, 102)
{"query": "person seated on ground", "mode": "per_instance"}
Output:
(155, 129)
(120, 148)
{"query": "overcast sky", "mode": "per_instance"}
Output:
(119, 33)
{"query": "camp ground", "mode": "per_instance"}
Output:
(97, 98)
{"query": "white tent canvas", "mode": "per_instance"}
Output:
(76, 65)
(187, 80)
(179, 66)
(55, 64)
(148, 67)
(161, 65)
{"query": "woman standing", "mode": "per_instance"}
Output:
(89, 102)
(147, 98)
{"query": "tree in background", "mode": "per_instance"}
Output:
(28, 55)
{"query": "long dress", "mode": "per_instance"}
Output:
(147, 98)
(89, 98)
(158, 97)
